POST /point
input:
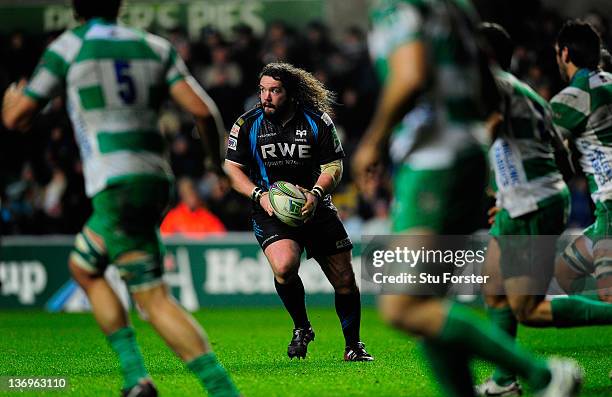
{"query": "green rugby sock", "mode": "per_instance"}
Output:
(450, 368)
(504, 319)
(124, 344)
(465, 328)
(585, 286)
(213, 376)
(574, 311)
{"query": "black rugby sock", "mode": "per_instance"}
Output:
(294, 298)
(348, 307)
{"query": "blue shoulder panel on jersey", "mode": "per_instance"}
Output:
(313, 125)
(256, 111)
(256, 156)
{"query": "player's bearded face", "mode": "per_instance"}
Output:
(273, 96)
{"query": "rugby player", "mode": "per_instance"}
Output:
(114, 79)
(582, 112)
(534, 201)
(289, 136)
(437, 90)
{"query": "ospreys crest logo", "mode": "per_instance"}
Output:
(300, 133)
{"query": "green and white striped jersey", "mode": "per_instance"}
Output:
(115, 79)
(583, 112)
(445, 117)
(522, 156)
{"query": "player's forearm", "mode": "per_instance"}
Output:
(407, 78)
(394, 104)
(240, 181)
(331, 175)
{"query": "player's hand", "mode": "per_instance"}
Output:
(308, 210)
(13, 93)
(492, 212)
(366, 156)
(264, 201)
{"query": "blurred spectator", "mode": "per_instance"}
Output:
(19, 59)
(279, 45)
(222, 72)
(380, 223)
(21, 213)
(53, 193)
(346, 201)
(76, 206)
(599, 23)
(359, 86)
(222, 79)
(231, 207)
(319, 47)
(186, 156)
(179, 40)
(245, 49)
(190, 218)
(202, 49)
(373, 189)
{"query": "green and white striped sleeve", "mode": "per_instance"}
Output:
(176, 69)
(395, 23)
(49, 77)
(571, 109)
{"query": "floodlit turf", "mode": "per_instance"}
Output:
(252, 345)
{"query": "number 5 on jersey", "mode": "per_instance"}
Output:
(127, 89)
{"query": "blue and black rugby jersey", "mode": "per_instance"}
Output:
(293, 153)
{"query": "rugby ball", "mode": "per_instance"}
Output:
(287, 202)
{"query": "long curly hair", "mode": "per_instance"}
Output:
(302, 86)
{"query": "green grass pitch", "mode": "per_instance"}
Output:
(251, 344)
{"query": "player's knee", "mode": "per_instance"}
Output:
(285, 268)
(285, 274)
(79, 275)
(87, 259)
(83, 277)
(573, 264)
(151, 299)
(346, 284)
(564, 275)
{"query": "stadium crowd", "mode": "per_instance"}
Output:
(41, 181)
